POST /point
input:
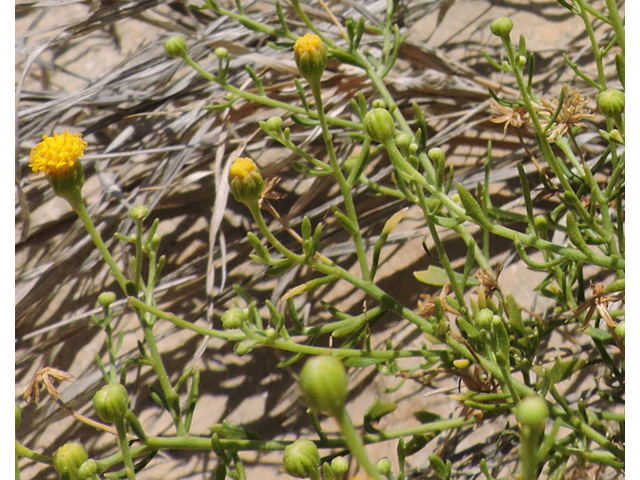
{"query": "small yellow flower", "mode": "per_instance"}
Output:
(241, 167)
(245, 181)
(311, 58)
(308, 43)
(58, 155)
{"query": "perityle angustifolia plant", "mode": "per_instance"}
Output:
(474, 330)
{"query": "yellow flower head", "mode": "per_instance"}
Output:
(56, 156)
(308, 44)
(245, 181)
(311, 57)
(241, 167)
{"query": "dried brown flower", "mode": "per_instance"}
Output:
(573, 111)
(514, 116)
(46, 378)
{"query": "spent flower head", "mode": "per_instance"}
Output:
(514, 116)
(573, 111)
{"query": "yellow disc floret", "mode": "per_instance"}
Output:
(57, 155)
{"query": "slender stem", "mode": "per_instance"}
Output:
(22, 451)
(123, 442)
(616, 23)
(269, 102)
(529, 443)
(137, 277)
(83, 215)
(277, 343)
(345, 188)
(163, 378)
(354, 442)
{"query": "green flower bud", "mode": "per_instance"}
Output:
(242, 348)
(245, 181)
(611, 102)
(403, 140)
(501, 27)
(384, 466)
(616, 137)
(176, 46)
(68, 460)
(311, 57)
(350, 163)
(234, 318)
(541, 224)
(155, 241)
(532, 412)
(139, 212)
(88, 469)
(436, 155)
(221, 53)
(106, 298)
(378, 124)
(496, 320)
(620, 331)
(323, 380)
(301, 459)
(484, 318)
(339, 466)
(111, 403)
(18, 416)
(272, 125)
(378, 103)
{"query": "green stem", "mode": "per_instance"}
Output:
(158, 366)
(137, 278)
(269, 102)
(22, 451)
(345, 188)
(78, 206)
(189, 442)
(354, 442)
(529, 444)
(123, 442)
